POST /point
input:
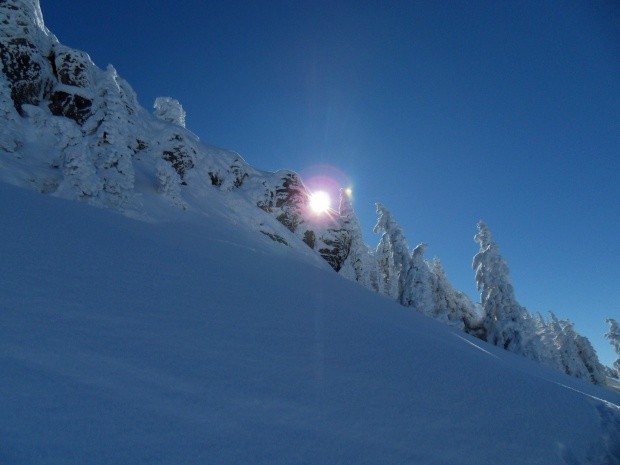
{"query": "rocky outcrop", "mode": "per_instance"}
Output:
(72, 70)
(24, 46)
(335, 247)
(72, 106)
(179, 155)
(38, 68)
(286, 200)
(72, 67)
(103, 132)
(26, 71)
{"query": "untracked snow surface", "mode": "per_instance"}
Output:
(195, 341)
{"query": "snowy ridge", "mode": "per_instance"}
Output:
(76, 131)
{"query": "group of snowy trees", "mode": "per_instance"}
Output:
(401, 274)
(509, 325)
(407, 277)
(416, 282)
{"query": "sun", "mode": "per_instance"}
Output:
(320, 202)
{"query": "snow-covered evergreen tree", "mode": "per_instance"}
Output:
(418, 291)
(614, 339)
(80, 172)
(169, 183)
(393, 255)
(546, 332)
(503, 316)
(570, 356)
(169, 109)
(112, 152)
(450, 305)
(359, 265)
(532, 345)
(509, 325)
(387, 278)
(590, 360)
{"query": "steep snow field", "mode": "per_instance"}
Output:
(199, 341)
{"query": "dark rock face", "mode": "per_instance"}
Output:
(72, 68)
(71, 106)
(34, 64)
(337, 247)
(180, 160)
(275, 237)
(180, 156)
(26, 70)
(216, 179)
(290, 197)
(310, 238)
(231, 175)
(236, 169)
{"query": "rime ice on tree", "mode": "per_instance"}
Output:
(169, 109)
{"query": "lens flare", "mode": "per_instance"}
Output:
(320, 202)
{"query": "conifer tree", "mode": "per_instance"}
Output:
(393, 252)
(547, 331)
(614, 339)
(590, 360)
(169, 183)
(572, 361)
(80, 172)
(169, 109)
(110, 125)
(359, 265)
(503, 316)
(450, 305)
(388, 280)
(418, 292)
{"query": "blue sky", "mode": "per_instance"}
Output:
(446, 112)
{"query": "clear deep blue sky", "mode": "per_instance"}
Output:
(446, 112)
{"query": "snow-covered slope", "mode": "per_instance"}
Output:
(72, 130)
(199, 341)
(207, 324)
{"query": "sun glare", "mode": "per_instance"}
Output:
(320, 202)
